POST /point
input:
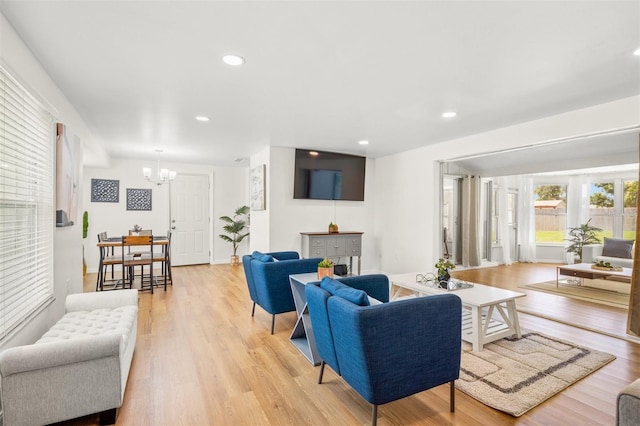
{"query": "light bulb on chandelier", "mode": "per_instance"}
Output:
(163, 175)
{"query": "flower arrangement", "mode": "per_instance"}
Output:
(443, 266)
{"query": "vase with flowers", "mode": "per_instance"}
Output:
(444, 266)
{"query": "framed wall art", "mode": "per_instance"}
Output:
(257, 186)
(138, 199)
(105, 191)
(67, 176)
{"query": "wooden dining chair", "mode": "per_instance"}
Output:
(132, 259)
(140, 249)
(164, 258)
(107, 259)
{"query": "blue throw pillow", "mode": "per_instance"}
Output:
(256, 255)
(336, 288)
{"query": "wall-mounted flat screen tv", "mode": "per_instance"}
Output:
(322, 175)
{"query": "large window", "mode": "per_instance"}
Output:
(613, 207)
(26, 204)
(630, 210)
(601, 206)
(551, 213)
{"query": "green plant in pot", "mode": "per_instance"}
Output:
(579, 237)
(325, 268)
(234, 230)
(444, 266)
(85, 230)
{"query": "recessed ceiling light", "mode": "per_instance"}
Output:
(233, 60)
(202, 118)
(364, 142)
(637, 52)
(449, 114)
(314, 153)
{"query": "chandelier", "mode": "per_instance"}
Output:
(162, 175)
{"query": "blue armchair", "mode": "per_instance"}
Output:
(267, 277)
(387, 351)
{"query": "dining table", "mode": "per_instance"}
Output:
(110, 243)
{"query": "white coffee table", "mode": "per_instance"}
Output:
(479, 303)
(584, 270)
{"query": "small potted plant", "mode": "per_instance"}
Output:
(444, 266)
(333, 228)
(136, 230)
(325, 268)
(234, 228)
(579, 237)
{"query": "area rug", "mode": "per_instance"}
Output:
(514, 375)
(610, 293)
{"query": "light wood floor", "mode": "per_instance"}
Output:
(201, 359)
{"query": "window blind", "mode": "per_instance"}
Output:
(26, 204)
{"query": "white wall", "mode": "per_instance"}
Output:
(260, 219)
(67, 277)
(280, 226)
(228, 191)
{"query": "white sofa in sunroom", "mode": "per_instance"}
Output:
(78, 367)
(616, 251)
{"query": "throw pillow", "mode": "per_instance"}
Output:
(262, 257)
(614, 247)
(336, 288)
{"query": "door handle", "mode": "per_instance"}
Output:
(173, 227)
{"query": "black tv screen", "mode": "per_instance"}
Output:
(324, 175)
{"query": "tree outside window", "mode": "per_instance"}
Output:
(630, 210)
(602, 209)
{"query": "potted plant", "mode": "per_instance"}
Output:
(85, 230)
(581, 236)
(444, 266)
(234, 230)
(325, 268)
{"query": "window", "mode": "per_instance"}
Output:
(602, 208)
(495, 217)
(26, 204)
(613, 208)
(630, 211)
(551, 213)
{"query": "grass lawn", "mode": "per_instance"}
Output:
(559, 236)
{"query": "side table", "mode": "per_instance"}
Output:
(302, 334)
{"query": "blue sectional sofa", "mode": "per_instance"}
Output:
(267, 276)
(385, 351)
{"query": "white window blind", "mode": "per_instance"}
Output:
(26, 204)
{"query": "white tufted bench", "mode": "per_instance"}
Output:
(79, 367)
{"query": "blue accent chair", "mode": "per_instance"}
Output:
(267, 277)
(388, 351)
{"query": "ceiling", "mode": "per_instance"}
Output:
(324, 75)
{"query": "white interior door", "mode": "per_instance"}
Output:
(190, 220)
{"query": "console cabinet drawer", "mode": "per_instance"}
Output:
(331, 245)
